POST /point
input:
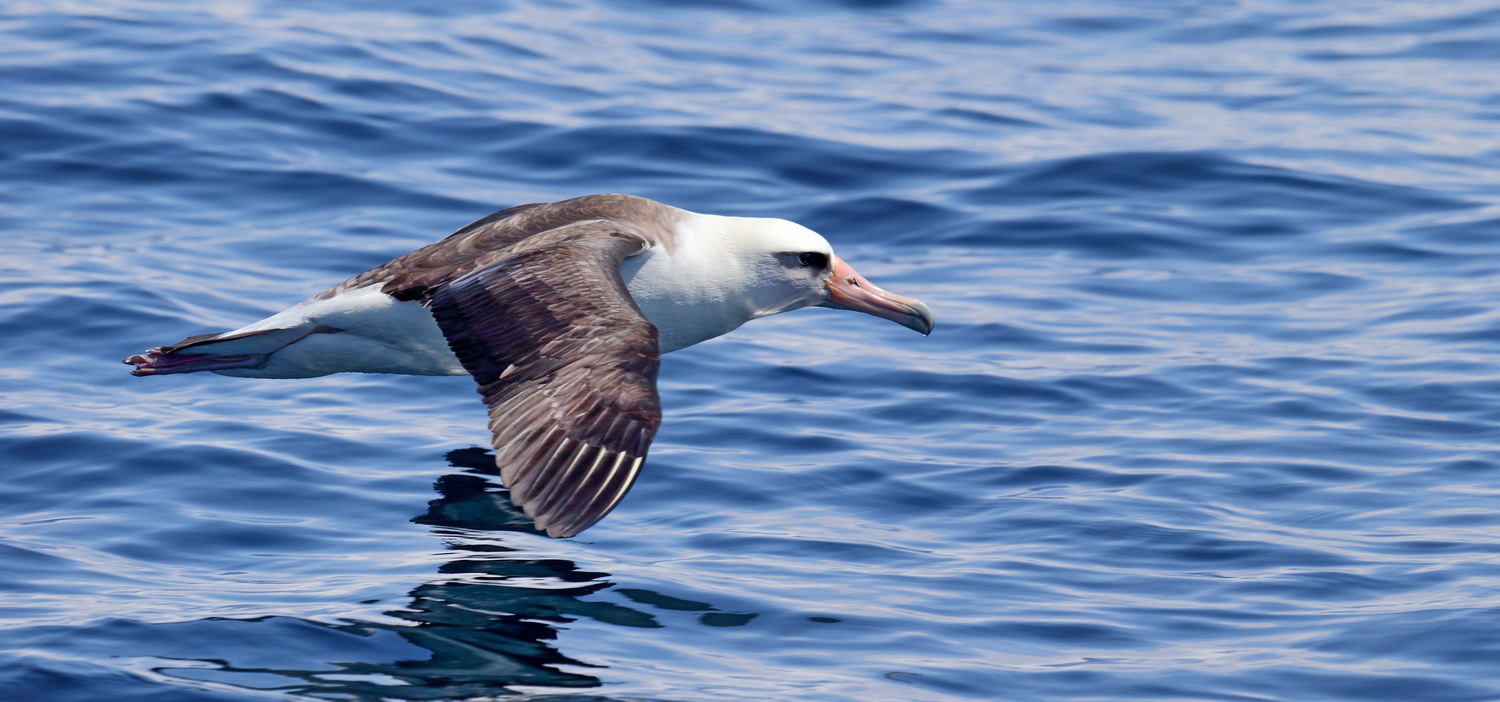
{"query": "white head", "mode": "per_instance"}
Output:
(777, 266)
(725, 271)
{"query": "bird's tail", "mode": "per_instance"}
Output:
(215, 352)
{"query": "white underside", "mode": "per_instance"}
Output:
(379, 334)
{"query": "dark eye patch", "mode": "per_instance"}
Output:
(813, 259)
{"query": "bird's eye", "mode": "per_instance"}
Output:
(813, 259)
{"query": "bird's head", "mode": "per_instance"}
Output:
(786, 266)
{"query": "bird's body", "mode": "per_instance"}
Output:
(560, 311)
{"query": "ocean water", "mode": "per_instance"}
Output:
(1212, 410)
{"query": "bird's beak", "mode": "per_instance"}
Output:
(848, 290)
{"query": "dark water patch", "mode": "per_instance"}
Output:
(1436, 397)
(1455, 49)
(816, 549)
(28, 138)
(1439, 312)
(884, 219)
(1280, 287)
(79, 681)
(988, 118)
(764, 8)
(1079, 236)
(1068, 633)
(1099, 24)
(1420, 635)
(1036, 477)
(1211, 181)
(1387, 687)
(1461, 20)
(1464, 234)
(1007, 336)
(1127, 388)
(618, 154)
(1315, 585)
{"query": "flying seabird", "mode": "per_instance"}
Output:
(560, 312)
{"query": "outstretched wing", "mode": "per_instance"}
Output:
(566, 362)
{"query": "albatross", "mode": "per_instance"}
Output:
(560, 311)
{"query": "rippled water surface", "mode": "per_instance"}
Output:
(1212, 411)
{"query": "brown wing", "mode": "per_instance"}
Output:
(415, 275)
(566, 362)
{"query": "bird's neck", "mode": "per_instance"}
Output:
(693, 291)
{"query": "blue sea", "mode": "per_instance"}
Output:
(1211, 412)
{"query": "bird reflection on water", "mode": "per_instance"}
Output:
(488, 626)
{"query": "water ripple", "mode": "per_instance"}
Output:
(1208, 413)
